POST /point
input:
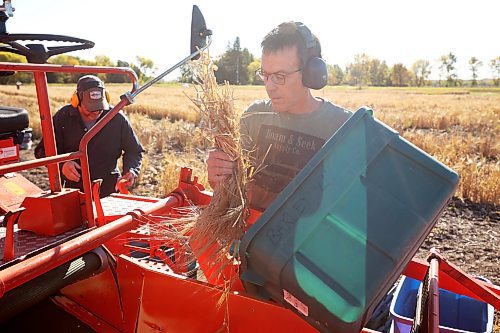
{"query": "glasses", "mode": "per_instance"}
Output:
(277, 78)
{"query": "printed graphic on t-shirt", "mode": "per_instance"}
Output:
(288, 152)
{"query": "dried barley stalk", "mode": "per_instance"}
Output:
(222, 223)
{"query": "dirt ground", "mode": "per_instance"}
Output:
(468, 235)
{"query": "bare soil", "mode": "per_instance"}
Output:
(467, 233)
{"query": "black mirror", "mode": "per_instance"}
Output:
(199, 31)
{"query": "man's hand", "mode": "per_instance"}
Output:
(219, 167)
(128, 179)
(71, 171)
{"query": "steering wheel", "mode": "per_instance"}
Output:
(39, 53)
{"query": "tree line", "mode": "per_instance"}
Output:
(367, 71)
(143, 67)
(238, 67)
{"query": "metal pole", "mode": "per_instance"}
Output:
(26, 165)
(47, 128)
(433, 297)
(87, 188)
(168, 71)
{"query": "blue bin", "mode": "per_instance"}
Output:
(457, 313)
(339, 235)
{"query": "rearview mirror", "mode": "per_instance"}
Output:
(199, 32)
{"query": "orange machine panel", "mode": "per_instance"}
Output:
(13, 189)
(53, 213)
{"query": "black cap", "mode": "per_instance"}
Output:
(92, 95)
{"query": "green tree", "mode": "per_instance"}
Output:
(400, 76)
(447, 68)
(422, 69)
(102, 60)
(233, 64)
(252, 68)
(145, 68)
(118, 78)
(187, 75)
(474, 64)
(379, 73)
(359, 71)
(64, 59)
(335, 75)
(495, 70)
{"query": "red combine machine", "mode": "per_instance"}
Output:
(317, 260)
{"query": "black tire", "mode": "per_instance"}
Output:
(13, 119)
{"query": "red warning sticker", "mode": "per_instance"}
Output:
(7, 152)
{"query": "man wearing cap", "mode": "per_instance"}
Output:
(116, 139)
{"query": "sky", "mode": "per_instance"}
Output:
(397, 31)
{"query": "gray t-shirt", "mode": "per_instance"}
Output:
(281, 144)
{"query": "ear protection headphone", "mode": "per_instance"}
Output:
(315, 72)
(75, 98)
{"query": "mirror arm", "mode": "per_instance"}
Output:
(131, 96)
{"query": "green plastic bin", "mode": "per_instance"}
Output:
(340, 234)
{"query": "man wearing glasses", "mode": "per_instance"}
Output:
(285, 131)
(89, 103)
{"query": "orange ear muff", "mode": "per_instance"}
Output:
(106, 93)
(75, 100)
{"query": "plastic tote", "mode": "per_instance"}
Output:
(340, 234)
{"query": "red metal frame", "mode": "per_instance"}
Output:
(84, 160)
(47, 128)
(443, 274)
(455, 280)
(14, 276)
(40, 73)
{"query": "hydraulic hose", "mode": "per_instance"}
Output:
(41, 287)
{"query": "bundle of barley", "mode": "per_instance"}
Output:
(162, 237)
(221, 223)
